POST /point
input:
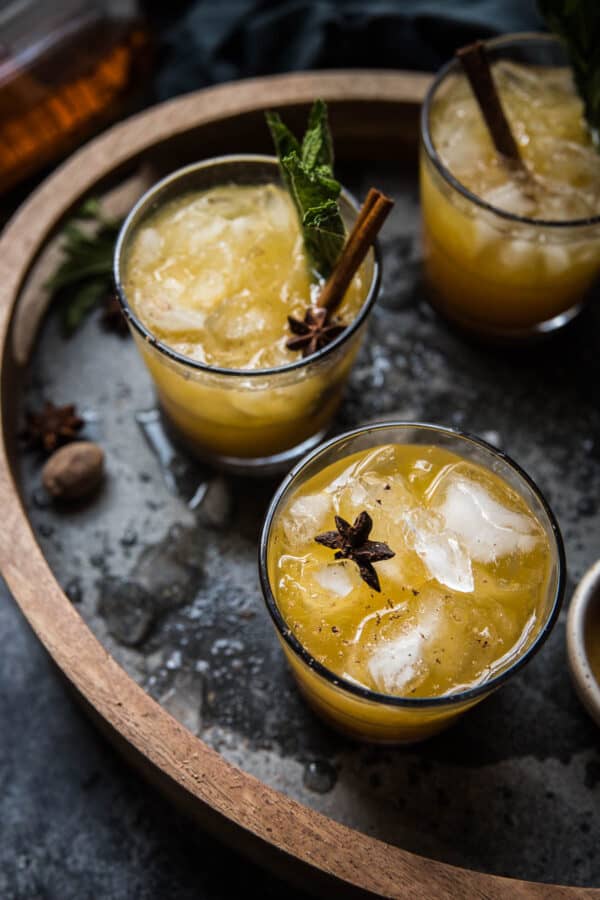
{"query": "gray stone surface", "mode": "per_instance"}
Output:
(514, 787)
(75, 822)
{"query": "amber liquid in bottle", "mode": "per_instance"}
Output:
(86, 79)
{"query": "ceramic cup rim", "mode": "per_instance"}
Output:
(586, 594)
(364, 693)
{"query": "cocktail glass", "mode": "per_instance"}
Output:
(494, 272)
(248, 420)
(347, 705)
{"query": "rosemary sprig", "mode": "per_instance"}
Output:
(577, 22)
(84, 275)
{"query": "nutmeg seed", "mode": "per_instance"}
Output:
(74, 471)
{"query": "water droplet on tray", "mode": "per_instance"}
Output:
(92, 430)
(129, 538)
(174, 660)
(226, 647)
(320, 776)
(41, 499)
(492, 437)
(74, 591)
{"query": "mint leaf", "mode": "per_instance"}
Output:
(307, 170)
(285, 142)
(315, 197)
(317, 146)
(577, 22)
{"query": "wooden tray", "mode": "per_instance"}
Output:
(374, 116)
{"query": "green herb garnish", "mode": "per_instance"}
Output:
(577, 22)
(84, 276)
(307, 170)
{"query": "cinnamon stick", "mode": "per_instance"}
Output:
(371, 217)
(366, 208)
(477, 69)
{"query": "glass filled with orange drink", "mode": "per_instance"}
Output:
(209, 265)
(507, 255)
(410, 571)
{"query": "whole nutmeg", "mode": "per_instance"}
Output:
(74, 471)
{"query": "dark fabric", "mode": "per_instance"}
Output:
(220, 41)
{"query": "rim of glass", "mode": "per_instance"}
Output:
(131, 223)
(366, 693)
(525, 37)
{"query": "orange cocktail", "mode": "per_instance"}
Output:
(506, 255)
(409, 571)
(210, 264)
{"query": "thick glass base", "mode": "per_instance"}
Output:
(259, 467)
(500, 335)
(267, 465)
(405, 731)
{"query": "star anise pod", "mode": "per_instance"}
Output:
(52, 427)
(112, 316)
(351, 542)
(313, 332)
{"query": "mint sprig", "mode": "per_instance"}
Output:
(307, 171)
(577, 22)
